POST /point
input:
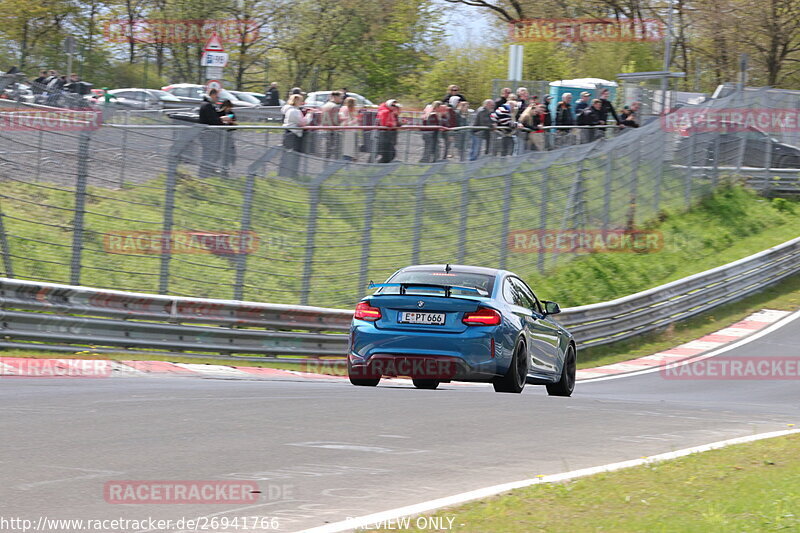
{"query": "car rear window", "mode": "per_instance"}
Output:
(484, 282)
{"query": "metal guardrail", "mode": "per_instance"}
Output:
(68, 318)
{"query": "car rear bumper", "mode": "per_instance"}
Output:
(468, 355)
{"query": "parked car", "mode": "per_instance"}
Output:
(262, 98)
(142, 99)
(441, 323)
(191, 95)
(317, 98)
(738, 145)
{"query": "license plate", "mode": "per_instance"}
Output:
(415, 317)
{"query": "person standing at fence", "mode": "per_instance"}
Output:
(389, 121)
(293, 121)
(210, 139)
(506, 129)
(482, 131)
(271, 97)
(329, 117)
(607, 107)
(348, 117)
(583, 103)
(227, 116)
(504, 92)
(564, 117)
(630, 115)
(460, 136)
(527, 124)
(453, 96)
(38, 85)
(591, 116)
(431, 122)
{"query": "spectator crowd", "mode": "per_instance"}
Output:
(515, 122)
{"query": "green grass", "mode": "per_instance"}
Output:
(753, 487)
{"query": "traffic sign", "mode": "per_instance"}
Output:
(213, 84)
(214, 59)
(214, 44)
(214, 73)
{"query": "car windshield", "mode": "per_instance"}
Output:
(482, 282)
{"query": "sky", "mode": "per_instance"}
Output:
(465, 23)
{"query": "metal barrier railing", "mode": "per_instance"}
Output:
(69, 318)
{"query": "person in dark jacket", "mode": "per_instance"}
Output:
(584, 102)
(564, 117)
(38, 85)
(607, 107)
(210, 139)
(504, 93)
(591, 116)
(271, 97)
(453, 96)
(483, 119)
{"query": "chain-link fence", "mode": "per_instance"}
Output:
(217, 212)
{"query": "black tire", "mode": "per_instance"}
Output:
(361, 382)
(566, 384)
(515, 377)
(429, 384)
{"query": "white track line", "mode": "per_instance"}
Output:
(457, 499)
(766, 331)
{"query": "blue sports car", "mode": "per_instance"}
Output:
(442, 323)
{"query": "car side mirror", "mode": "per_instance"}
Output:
(551, 308)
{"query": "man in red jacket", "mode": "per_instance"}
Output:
(388, 117)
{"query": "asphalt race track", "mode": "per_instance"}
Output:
(324, 451)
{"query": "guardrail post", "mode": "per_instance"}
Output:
(169, 203)
(247, 209)
(80, 207)
(659, 175)
(311, 231)
(4, 247)
(715, 173)
(766, 186)
(419, 211)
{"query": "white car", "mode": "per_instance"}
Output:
(192, 95)
(317, 98)
(143, 99)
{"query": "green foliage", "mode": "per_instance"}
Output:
(472, 67)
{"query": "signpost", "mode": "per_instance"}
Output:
(69, 48)
(214, 59)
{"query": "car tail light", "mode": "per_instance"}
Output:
(482, 317)
(364, 311)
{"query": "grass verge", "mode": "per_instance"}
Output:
(750, 487)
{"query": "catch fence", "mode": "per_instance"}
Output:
(228, 213)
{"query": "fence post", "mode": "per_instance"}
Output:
(607, 190)
(419, 211)
(543, 215)
(39, 155)
(124, 157)
(689, 176)
(508, 182)
(659, 173)
(247, 209)
(169, 203)
(715, 173)
(5, 248)
(311, 232)
(80, 207)
(366, 243)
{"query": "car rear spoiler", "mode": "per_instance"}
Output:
(447, 288)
